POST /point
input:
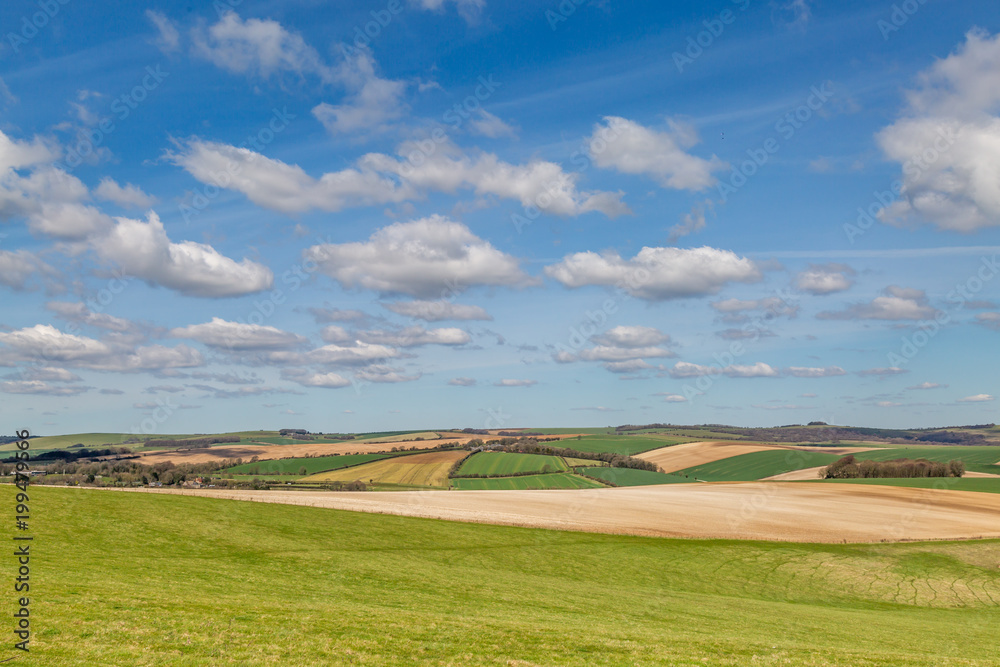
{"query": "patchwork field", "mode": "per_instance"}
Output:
(758, 465)
(374, 589)
(786, 511)
(311, 464)
(498, 464)
(308, 448)
(687, 455)
(429, 469)
(263, 452)
(546, 481)
(693, 454)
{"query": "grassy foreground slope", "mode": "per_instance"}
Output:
(137, 579)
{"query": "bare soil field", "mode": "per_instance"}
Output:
(679, 457)
(804, 474)
(745, 510)
(267, 452)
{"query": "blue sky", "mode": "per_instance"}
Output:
(450, 213)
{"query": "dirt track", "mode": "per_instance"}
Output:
(679, 457)
(748, 510)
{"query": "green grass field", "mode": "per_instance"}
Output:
(980, 459)
(631, 477)
(312, 465)
(758, 465)
(136, 579)
(503, 463)
(619, 444)
(548, 481)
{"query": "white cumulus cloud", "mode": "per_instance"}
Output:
(657, 274)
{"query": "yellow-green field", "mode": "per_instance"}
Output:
(429, 469)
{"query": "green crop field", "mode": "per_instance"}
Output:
(758, 465)
(502, 463)
(618, 444)
(312, 465)
(979, 459)
(142, 579)
(632, 477)
(548, 481)
(981, 484)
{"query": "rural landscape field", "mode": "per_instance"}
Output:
(626, 545)
(520, 333)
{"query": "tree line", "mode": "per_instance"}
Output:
(851, 468)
